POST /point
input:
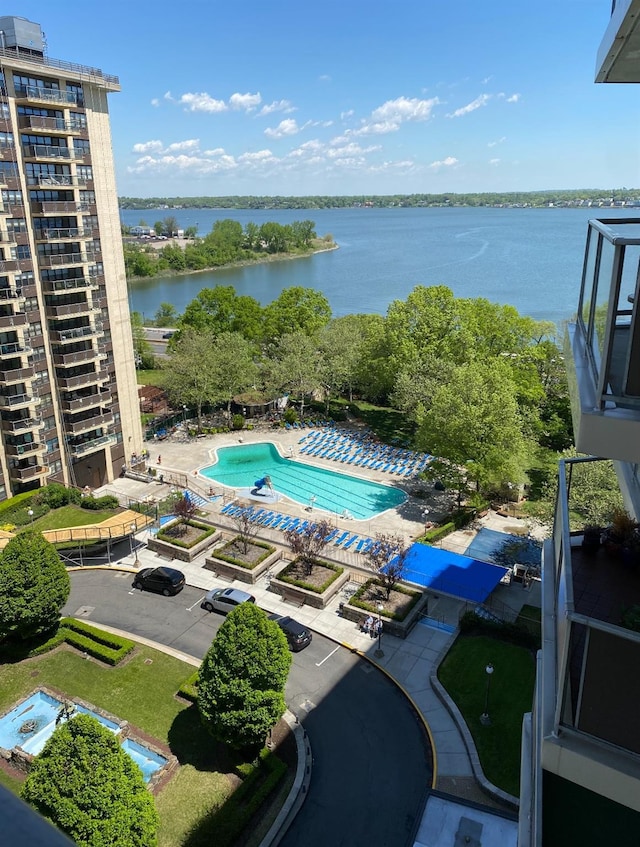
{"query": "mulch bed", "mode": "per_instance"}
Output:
(397, 605)
(235, 549)
(319, 576)
(186, 534)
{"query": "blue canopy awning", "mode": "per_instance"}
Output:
(451, 573)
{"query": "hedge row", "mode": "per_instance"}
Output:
(101, 645)
(300, 583)
(231, 819)
(472, 624)
(189, 688)
(224, 557)
(458, 520)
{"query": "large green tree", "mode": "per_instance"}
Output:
(34, 586)
(91, 789)
(242, 678)
(190, 371)
(295, 365)
(297, 308)
(474, 422)
(233, 367)
(220, 309)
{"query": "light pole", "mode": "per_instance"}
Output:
(379, 652)
(485, 720)
(134, 527)
(30, 513)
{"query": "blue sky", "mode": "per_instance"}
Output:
(353, 96)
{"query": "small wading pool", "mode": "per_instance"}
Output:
(240, 467)
(31, 724)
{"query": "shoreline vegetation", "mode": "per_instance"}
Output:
(605, 197)
(154, 251)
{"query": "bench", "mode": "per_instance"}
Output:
(291, 597)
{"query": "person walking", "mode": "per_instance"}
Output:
(367, 626)
(376, 629)
(159, 460)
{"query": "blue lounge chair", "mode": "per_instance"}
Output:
(367, 544)
(349, 542)
(360, 545)
(341, 538)
(226, 509)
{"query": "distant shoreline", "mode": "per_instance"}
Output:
(244, 263)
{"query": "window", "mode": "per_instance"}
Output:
(85, 173)
(78, 120)
(75, 94)
(6, 139)
(16, 225)
(49, 424)
(9, 196)
(81, 146)
(31, 304)
(52, 444)
(21, 251)
(56, 466)
(25, 278)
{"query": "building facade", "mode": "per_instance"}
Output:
(580, 780)
(68, 396)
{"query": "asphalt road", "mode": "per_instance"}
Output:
(371, 759)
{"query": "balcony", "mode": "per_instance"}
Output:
(70, 310)
(47, 151)
(13, 375)
(17, 319)
(18, 401)
(39, 93)
(77, 427)
(41, 122)
(68, 336)
(67, 360)
(22, 424)
(589, 695)
(27, 449)
(56, 181)
(602, 347)
(61, 260)
(88, 401)
(90, 446)
(64, 286)
(11, 294)
(13, 348)
(72, 383)
(57, 207)
(63, 234)
(28, 472)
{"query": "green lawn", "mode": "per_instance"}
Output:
(141, 690)
(71, 515)
(510, 695)
(156, 377)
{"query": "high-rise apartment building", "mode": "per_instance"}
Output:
(68, 396)
(581, 744)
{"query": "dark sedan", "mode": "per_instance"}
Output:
(298, 636)
(162, 580)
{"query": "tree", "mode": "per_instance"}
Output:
(474, 422)
(90, 788)
(294, 365)
(296, 309)
(233, 367)
(242, 678)
(387, 558)
(169, 226)
(246, 527)
(308, 544)
(34, 586)
(220, 309)
(341, 342)
(166, 315)
(142, 349)
(185, 509)
(190, 370)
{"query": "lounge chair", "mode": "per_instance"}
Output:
(349, 542)
(360, 545)
(341, 538)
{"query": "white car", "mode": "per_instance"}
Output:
(225, 600)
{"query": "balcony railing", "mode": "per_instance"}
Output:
(56, 207)
(12, 401)
(12, 348)
(22, 425)
(63, 286)
(95, 74)
(11, 293)
(62, 233)
(59, 260)
(48, 95)
(92, 445)
(26, 449)
(47, 151)
(17, 319)
(70, 383)
(69, 335)
(29, 472)
(51, 124)
(57, 181)
(77, 427)
(70, 310)
(68, 360)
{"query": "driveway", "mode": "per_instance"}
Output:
(371, 765)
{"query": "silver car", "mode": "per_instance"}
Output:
(225, 600)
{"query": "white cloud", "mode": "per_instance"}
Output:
(449, 162)
(389, 117)
(245, 102)
(351, 149)
(259, 156)
(286, 127)
(497, 141)
(345, 115)
(277, 106)
(217, 151)
(190, 144)
(494, 161)
(513, 98)
(480, 101)
(324, 78)
(148, 147)
(202, 103)
(155, 102)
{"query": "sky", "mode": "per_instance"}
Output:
(353, 97)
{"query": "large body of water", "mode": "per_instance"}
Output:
(529, 258)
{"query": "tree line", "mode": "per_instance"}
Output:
(513, 198)
(482, 386)
(227, 243)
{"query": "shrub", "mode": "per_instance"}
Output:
(290, 415)
(189, 688)
(438, 532)
(237, 422)
(300, 583)
(357, 601)
(171, 539)
(109, 501)
(226, 557)
(470, 623)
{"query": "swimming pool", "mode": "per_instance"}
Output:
(241, 466)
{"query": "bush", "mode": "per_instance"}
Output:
(237, 422)
(226, 557)
(373, 607)
(55, 495)
(300, 583)
(109, 501)
(472, 624)
(186, 545)
(290, 415)
(189, 688)
(438, 532)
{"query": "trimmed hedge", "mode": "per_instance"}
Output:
(232, 818)
(189, 688)
(101, 645)
(300, 583)
(170, 539)
(458, 520)
(109, 501)
(369, 607)
(219, 554)
(515, 633)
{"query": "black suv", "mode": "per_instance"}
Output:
(298, 635)
(163, 580)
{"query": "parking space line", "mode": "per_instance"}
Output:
(197, 603)
(328, 657)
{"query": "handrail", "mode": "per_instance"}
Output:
(61, 64)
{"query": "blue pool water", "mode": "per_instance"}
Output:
(240, 467)
(36, 717)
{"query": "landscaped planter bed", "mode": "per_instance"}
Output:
(197, 538)
(231, 562)
(315, 589)
(400, 612)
